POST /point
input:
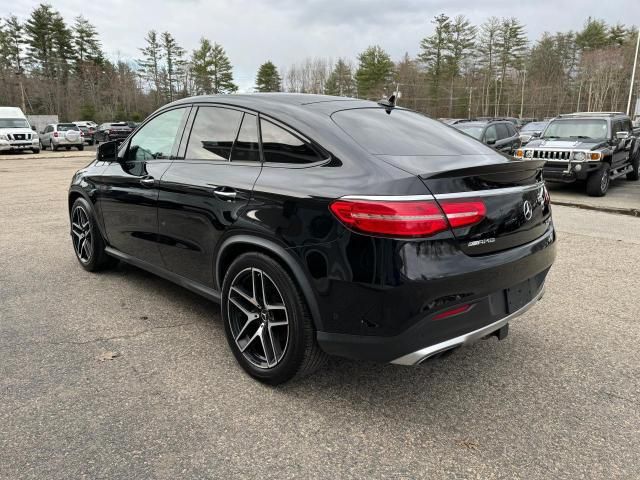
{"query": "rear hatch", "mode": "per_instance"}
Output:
(513, 193)
(120, 129)
(457, 168)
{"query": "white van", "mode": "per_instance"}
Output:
(15, 132)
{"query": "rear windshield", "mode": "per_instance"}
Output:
(403, 132)
(577, 128)
(63, 127)
(13, 123)
(119, 125)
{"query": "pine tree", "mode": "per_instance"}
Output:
(341, 81)
(62, 50)
(39, 35)
(487, 53)
(268, 79)
(12, 44)
(434, 48)
(86, 42)
(174, 57)
(374, 74)
(150, 65)
(211, 69)
(594, 35)
(461, 42)
(511, 48)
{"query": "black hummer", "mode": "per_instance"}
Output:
(596, 147)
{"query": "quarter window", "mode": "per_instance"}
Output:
(280, 146)
(157, 138)
(503, 132)
(247, 146)
(213, 133)
(490, 134)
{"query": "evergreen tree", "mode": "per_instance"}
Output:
(12, 42)
(150, 65)
(341, 81)
(268, 79)
(39, 34)
(211, 69)
(511, 47)
(617, 35)
(86, 42)
(594, 35)
(174, 58)
(375, 73)
(434, 49)
(487, 52)
(62, 51)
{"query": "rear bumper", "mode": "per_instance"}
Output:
(419, 356)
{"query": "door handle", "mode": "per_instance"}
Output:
(148, 181)
(225, 194)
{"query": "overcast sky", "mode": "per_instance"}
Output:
(286, 31)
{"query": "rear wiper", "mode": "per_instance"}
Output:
(579, 136)
(550, 136)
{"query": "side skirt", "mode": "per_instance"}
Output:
(195, 287)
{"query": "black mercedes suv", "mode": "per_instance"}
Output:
(322, 225)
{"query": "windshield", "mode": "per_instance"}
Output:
(577, 128)
(534, 127)
(14, 123)
(474, 130)
(404, 133)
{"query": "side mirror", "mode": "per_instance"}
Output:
(536, 134)
(33, 127)
(622, 135)
(107, 152)
(491, 141)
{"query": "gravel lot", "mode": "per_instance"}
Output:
(559, 398)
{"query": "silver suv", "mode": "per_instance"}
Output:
(57, 135)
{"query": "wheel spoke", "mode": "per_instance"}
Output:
(281, 323)
(253, 337)
(242, 309)
(245, 296)
(263, 333)
(244, 327)
(273, 345)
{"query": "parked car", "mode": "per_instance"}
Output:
(321, 225)
(499, 134)
(452, 121)
(88, 134)
(112, 131)
(86, 123)
(15, 132)
(595, 147)
(531, 130)
(62, 135)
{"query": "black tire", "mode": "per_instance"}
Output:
(599, 181)
(92, 142)
(67, 148)
(93, 257)
(107, 138)
(53, 147)
(634, 175)
(301, 354)
(36, 150)
(80, 148)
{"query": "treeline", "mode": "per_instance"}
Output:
(461, 69)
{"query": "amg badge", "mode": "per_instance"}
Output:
(484, 241)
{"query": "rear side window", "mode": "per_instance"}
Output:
(503, 131)
(213, 133)
(247, 146)
(280, 146)
(404, 133)
(491, 134)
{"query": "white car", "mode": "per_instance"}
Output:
(15, 132)
(58, 135)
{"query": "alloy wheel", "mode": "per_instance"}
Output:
(81, 234)
(604, 181)
(258, 318)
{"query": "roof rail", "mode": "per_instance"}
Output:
(591, 114)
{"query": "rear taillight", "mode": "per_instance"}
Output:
(82, 134)
(55, 134)
(410, 218)
(463, 214)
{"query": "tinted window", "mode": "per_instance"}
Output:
(246, 147)
(156, 139)
(503, 131)
(280, 146)
(511, 129)
(491, 134)
(403, 132)
(213, 133)
(63, 127)
(474, 130)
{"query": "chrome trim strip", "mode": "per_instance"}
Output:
(445, 196)
(490, 193)
(414, 358)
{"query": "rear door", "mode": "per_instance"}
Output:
(204, 191)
